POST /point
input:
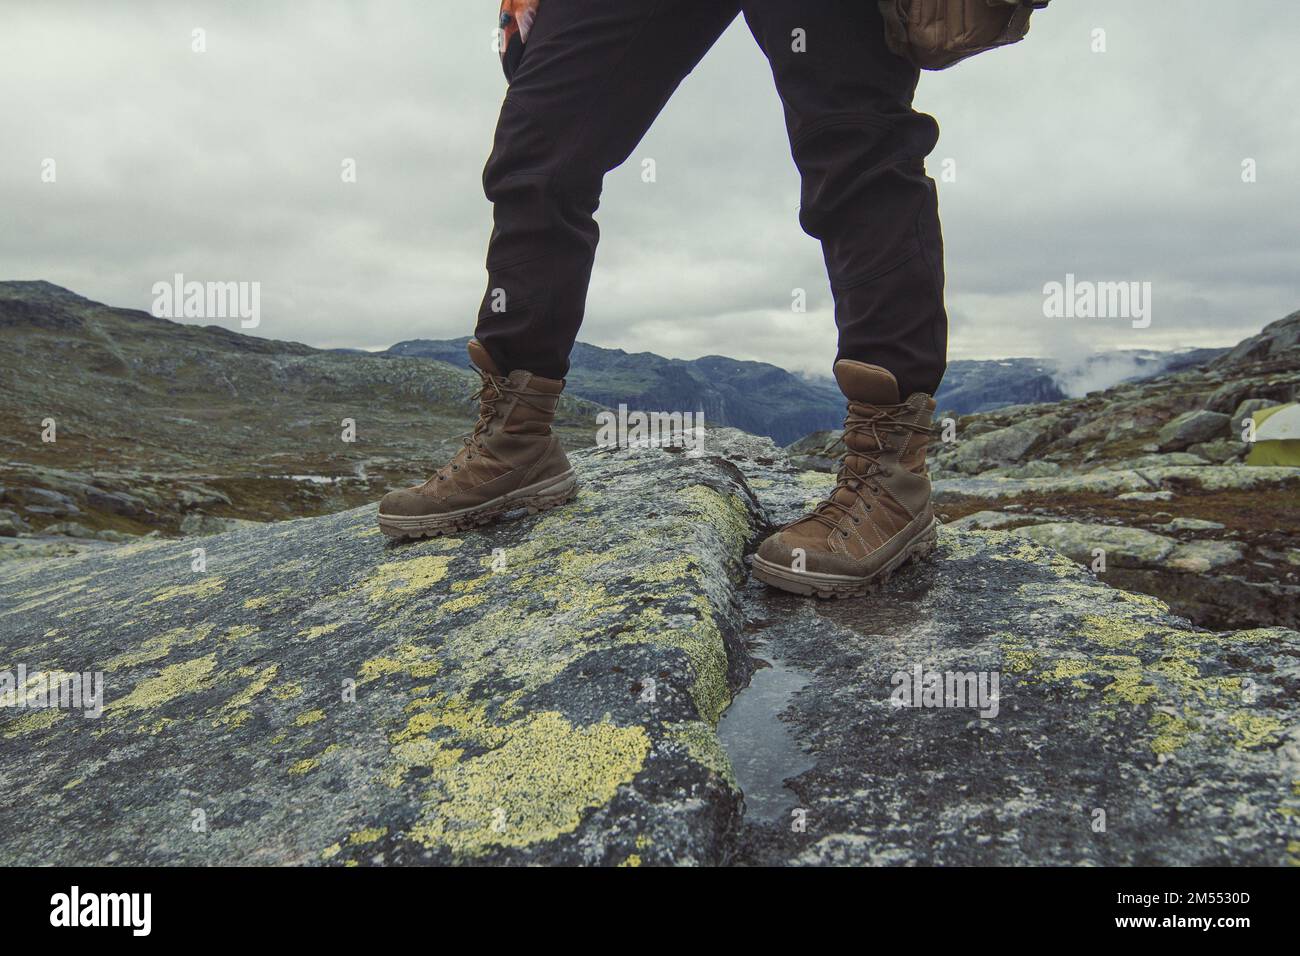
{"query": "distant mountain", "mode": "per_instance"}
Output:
(984, 385)
(754, 396)
(767, 400)
(977, 385)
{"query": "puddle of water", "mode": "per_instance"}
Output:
(763, 752)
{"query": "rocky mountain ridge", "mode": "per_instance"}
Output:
(159, 426)
(756, 397)
(763, 399)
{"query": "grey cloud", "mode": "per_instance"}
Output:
(1123, 165)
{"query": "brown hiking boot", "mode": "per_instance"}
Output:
(510, 460)
(879, 514)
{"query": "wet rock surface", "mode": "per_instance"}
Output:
(549, 690)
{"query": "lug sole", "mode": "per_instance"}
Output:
(542, 496)
(813, 583)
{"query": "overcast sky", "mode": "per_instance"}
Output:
(1124, 165)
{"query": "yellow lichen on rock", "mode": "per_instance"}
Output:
(232, 712)
(367, 835)
(1115, 630)
(259, 683)
(206, 586)
(413, 747)
(174, 681)
(266, 600)
(30, 721)
(1255, 730)
(1188, 703)
(396, 580)
(287, 691)
(462, 603)
(704, 747)
(417, 662)
(320, 630)
(534, 787)
(160, 646)
(725, 514)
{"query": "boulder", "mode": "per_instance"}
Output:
(1275, 340)
(71, 529)
(985, 521)
(200, 496)
(1204, 477)
(1173, 459)
(1228, 396)
(1030, 469)
(36, 548)
(1132, 547)
(1202, 556)
(1146, 496)
(1245, 410)
(548, 691)
(1123, 547)
(1192, 427)
(1220, 451)
(11, 524)
(1003, 445)
(1193, 524)
(43, 501)
(115, 502)
(196, 524)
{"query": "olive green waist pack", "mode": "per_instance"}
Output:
(935, 34)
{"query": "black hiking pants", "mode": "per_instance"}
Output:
(594, 76)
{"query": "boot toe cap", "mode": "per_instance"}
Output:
(816, 555)
(776, 549)
(408, 503)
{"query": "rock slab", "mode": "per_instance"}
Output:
(547, 691)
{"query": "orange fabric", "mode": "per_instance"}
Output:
(516, 19)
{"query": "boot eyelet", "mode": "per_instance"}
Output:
(857, 520)
(844, 533)
(442, 477)
(455, 467)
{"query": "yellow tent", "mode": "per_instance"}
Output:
(1277, 436)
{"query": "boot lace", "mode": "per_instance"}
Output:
(493, 389)
(863, 420)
